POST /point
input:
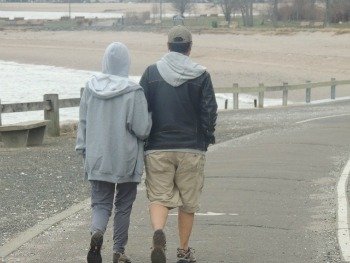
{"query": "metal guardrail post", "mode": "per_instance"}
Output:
(285, 94)
(261, 96)
(308, 92)
(52, 115)
(235, 97)
(333, 89)
(226, 103)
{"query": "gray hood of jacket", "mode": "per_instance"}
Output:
(113, 122)
(114, 79)
(176, 68)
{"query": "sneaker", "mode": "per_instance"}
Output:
(120, 258)
(94, 255)
(158, 250)
(185, 256)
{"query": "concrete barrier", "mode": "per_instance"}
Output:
(23, 134)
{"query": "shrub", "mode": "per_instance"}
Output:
(340, 11)
(300, 10)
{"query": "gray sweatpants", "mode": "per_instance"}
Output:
(102, 196)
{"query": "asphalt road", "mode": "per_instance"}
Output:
(281, 184)
(269, 197)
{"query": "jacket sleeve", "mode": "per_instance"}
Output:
(144, 85)
(141, 122)
(81, 134)
(208, 110)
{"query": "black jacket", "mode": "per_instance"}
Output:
(183, 117)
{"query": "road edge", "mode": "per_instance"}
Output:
(40, 227)
(343, 224)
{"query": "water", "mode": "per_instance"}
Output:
(27, 15)
(28, 83)
(56, 15)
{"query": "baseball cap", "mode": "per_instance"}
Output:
(179, 34)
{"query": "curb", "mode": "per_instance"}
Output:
(34, 231)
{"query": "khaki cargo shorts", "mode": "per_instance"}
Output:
(175, 179)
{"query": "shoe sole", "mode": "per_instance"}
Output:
(159, 242)
(96, 240)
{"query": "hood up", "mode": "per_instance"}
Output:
(176, 68)
(114, 79)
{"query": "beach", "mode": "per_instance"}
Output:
(247, 59)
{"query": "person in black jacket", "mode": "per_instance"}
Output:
(182, 101)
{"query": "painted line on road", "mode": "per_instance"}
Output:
(320, 118)
(343, 224)
(209, 214)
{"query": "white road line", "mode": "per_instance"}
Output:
(209, 214)
(343, 225)
(320, 118)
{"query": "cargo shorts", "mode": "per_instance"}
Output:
(175, 179)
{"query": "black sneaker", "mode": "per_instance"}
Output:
(121, 258)
(159, 245)
(94, 255)
(185, 256)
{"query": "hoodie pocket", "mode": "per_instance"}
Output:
(100, 164)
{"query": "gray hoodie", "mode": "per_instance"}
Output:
(113, 121)
(176, 68)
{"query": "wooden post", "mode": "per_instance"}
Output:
(235, 97)
(255, 103)
(261, 96)
(0, 121)
(52, 115)
(333, 89)
(226, 103)
(308, 92)
(81, 92)
(285, 94)
(0, 113)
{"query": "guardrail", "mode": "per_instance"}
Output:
(51, 103)
(285, 87)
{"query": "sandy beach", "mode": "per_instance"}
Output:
(247, 59)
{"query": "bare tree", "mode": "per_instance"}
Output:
(245, 6)
(228, 6)
(275, 13)
(327, 13)
(182, 6)
(247, 12)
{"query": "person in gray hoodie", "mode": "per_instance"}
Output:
(181, 98)
(113, 122)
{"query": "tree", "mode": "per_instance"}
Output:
(275, 13)
(245, 6)
(247, 12)
(228, 6)
(182, 6)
